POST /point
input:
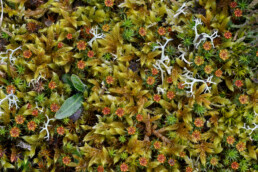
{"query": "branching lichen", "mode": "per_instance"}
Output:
(11, 57)
(164, 60)
(96, 35)
(46, 125)
(199, 38)
(189, 81)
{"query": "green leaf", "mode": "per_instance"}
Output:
(66, 78)
(70, 106)
(77, 83)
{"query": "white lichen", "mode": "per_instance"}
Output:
(180, 10)
(11, 57)
(164, 60)
(41, 110)
(24, 145)
(115, 56)
(199, 38)
(189, 81)
(12, 101)
(161, 90)
(249, 128)
(46, 125)
(96, 35)
(35, 81)
(184, 53)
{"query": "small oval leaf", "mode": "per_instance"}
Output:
(70, 106)
(77, 83)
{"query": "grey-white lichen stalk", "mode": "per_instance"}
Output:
(11, 57)
(35, 81)
(96, 35)
(46, 125)
(181, 10)
(183, 54)
(41, 110)
(164, 60)
(189, 81)
(249, 128)
(199, 38)
(12, 101)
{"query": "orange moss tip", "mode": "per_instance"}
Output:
(161, 31)
(124, 167)
(218, 73)
(31, 26)
(106, 110)
(230, 140)
(156, 97)
(90, 54)
(15, 132)
(188, 169)
(238, 12)
(239, 83)
(198, 122)
(81, 45)
(10, 89)
(169, 80)
(234, 165)
(227, 35)
(161, 158)
(100, 169)
(139, 117)
(233, 4)
(109, 3)
(182, 154)
(81, 64)
(69, 36)
(120, 112)
(199, 60)
(60, 130)
(66, 160)
(171, 162)
(109, 80)
(243, 99)
(171, 95)
(60, 45)
(196, 135)
(19, 119)
(54, 107)
(31, 126)
(105, 28)
(207, 46)
(224, 54)
(241, 146)
(131, 130)
(208, 69)
(214, 161)
(27, 54)
(150, 80)
(52, 85)
(181, 85)
(35, 112)
(157, 144)
(143, 161)
(154, 71)
(142, 31)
